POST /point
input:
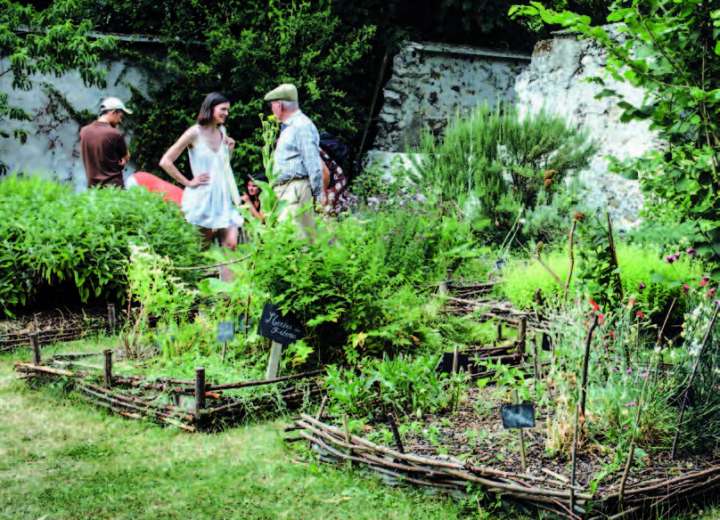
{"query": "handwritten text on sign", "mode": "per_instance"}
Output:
(518, 415)
(283, 329)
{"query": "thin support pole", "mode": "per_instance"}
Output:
(199, 391)
(586, 366)
(522, 336)
(108, 368)
(521, 435)
(35, 343)
(396, 433)
(111, 318)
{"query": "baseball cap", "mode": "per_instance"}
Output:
(113, 103)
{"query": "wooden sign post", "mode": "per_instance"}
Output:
(281, 330)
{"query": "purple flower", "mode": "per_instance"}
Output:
(690, 251)
(670, 259)
(641, 286)
(629, 370)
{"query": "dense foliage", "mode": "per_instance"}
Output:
(671, 50)
(54, 240)
(494, 165)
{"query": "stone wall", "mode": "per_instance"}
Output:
(431, 82)
(52, 147)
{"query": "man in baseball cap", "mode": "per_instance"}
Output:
(102, 145)
(296, 158)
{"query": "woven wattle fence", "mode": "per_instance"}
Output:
(647, 498)
(189, 405)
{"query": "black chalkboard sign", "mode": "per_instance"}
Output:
(279, 328)
(518, 415)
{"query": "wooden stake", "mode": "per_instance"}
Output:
(522, 333)
(108, 368)
(536, 356)
(499, 331)
(586, 365)
(224, 351)
(199, 390)
(35, 342)
(273, 360)
(111, 317)
(456, 359)
(523, 460)
(396, 433)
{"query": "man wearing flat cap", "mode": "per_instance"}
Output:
(296, 158)
(103, 147)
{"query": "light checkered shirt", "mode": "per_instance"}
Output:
(297, 153)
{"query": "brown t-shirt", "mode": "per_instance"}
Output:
(102, 148)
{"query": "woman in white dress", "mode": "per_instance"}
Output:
(210, 197)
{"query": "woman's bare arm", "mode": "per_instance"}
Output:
(167, 162)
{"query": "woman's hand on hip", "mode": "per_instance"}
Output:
(199, 180)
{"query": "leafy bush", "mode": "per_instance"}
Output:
(494, 162)
(401, 385)
(645, 276)
(362, 283)
(53, 238)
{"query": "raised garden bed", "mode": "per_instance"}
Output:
(50, 327)
(189, 405)
(493, 466)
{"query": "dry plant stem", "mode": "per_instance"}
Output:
(571, 254)
(573, 456)
(586, 365)
(683, 404)
(547, 268)
(616, 265)
(521, 436)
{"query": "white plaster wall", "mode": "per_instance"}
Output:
(557, 81)
(52, 147)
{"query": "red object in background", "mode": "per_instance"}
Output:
(150, 182)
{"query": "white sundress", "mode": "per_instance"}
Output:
(212, 205)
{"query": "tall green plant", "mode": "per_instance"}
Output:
(500, 160)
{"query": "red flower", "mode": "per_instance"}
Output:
(705, 280)
(686, 288)
(711, 292)
(601, 318)
(612, 334)
(640, 314)
(594, 305)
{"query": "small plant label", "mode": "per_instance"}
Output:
(279, 328)
(225, 331)
(518, 415)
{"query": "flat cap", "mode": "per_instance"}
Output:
(285, 92)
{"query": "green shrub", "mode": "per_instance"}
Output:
(400, 385)
(494, 162)
(645, 275)
(362, 283)
(53, 238)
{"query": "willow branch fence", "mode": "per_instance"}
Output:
(549, 491)
(191, 405)
(69, 328)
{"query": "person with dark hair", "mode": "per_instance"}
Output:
(251, 197)
(210, 195)
(102, 146)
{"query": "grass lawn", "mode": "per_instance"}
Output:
(61, 458)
